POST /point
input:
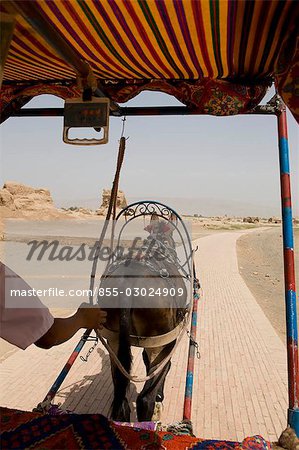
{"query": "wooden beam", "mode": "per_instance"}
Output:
(138, 111)
(7, 25)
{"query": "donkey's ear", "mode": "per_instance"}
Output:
(173, 218)
(154, 217)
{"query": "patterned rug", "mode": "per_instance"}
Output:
(24, 430)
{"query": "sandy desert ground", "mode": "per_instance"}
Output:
(260, 260)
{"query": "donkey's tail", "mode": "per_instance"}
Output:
(120, 408)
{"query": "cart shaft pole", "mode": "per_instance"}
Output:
(191, 361)
(289, 273)
(67, 367)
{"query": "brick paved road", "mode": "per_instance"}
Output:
(241, 377)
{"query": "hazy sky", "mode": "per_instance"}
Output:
(200, 164)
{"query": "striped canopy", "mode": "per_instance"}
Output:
(233, 41)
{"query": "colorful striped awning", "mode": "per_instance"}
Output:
(231, 40)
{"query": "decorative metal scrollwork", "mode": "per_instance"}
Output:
(148, 208)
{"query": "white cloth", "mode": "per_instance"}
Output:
(19, 325)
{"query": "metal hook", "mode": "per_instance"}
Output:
(193, 342)
(123, 127)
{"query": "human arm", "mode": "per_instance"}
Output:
(26, 320)
(63, 329)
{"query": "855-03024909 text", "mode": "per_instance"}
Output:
(143, 292)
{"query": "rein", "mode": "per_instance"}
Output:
(153, 341)
(160, 366)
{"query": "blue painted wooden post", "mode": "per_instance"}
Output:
(289, 273)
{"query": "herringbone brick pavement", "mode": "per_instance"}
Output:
(240, 380)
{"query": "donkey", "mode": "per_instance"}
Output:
(148, 285)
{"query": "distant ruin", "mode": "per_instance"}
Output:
(121, 202)
(20, 201)
(17, 200)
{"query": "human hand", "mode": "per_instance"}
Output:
(91, 316)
